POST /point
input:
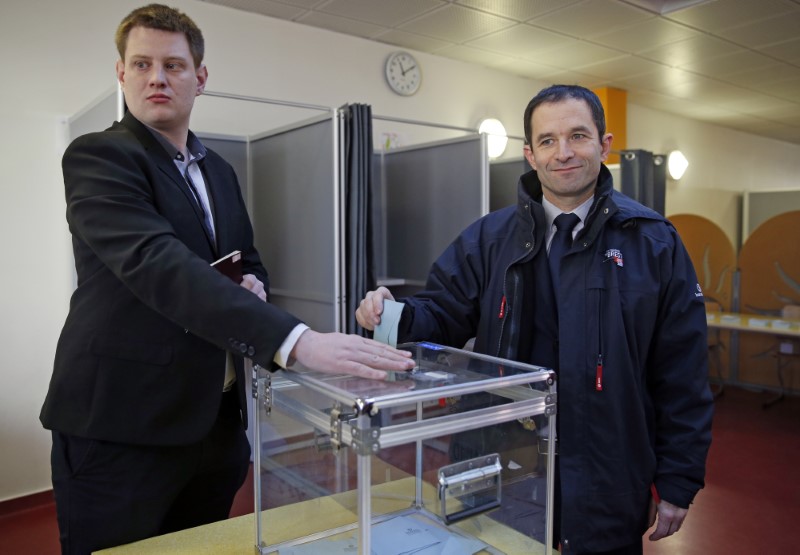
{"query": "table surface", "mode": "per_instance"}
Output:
(236, 536)
(753, 323)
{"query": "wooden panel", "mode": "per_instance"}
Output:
(615, 104)
(714, 260)
(770, 280)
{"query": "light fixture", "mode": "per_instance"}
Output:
(496, 132)
(677, 164)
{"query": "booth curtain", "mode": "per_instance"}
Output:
(358, 232)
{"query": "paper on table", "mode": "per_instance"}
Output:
(346, 546)
(386, 331)
(406, 535)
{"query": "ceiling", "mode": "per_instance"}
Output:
(734, 63)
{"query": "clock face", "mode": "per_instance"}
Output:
(403, 73)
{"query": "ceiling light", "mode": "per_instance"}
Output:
(664, 7)
(496, 132)
(677, 164)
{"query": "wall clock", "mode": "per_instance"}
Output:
(403, 73)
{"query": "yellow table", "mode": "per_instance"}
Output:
(753, 323)
(236, 536)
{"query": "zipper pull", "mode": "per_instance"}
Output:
(598, 379)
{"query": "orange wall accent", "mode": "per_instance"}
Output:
(615, 104)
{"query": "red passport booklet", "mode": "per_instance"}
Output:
(230, 265)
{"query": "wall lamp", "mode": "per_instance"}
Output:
(677, 164)
(496, 134)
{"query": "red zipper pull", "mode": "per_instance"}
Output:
(654, 493)
(598, 379)
(502, 308)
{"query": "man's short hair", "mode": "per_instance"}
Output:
(557, 93)
(163, 18)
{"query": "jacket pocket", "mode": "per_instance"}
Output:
(133, 351)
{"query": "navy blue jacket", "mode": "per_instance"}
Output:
(630, 304)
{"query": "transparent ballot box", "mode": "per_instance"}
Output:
(450, 458)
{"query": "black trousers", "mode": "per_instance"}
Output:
(109, 494)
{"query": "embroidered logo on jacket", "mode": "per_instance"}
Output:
(614, 255)
(699, 291)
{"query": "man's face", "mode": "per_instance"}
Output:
(159, 79)
(566, 151)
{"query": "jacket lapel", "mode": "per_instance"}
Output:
(215, 183)
(168, 168)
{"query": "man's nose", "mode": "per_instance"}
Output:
(564, 150)
(157, 76)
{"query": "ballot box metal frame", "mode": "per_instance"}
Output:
(351, 423)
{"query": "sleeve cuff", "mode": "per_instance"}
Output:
(284, 352)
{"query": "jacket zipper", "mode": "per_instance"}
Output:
(505, 306)
(598, 375)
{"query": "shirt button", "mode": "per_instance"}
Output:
(251, 351)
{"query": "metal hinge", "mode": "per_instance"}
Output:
(366, 441)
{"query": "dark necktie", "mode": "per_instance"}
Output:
(206, 219)
(562, 241)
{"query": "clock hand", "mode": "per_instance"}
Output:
(407, 70)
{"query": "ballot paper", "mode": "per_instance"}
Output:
(386, 331)
(407, 535)
(402, 535)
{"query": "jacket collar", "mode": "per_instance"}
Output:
(530, 188)
(164, 160)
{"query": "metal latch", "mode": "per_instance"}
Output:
(473, 486)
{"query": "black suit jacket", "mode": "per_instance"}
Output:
(141, 357)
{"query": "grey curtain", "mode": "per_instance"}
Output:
(359, 263)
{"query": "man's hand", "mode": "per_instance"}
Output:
(370, 309)
(338, 353)
(670, 519)
(253, 284)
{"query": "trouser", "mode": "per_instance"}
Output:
(110, 494)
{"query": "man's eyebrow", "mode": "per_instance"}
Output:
(582, 129)
(577, 129)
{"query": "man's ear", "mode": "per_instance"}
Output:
(120, 69)
(202, 78)
(605, 145)
(528, 153)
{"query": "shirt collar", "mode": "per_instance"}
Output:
(551, 211)
(197, 150)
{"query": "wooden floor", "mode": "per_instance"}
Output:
(751, 503)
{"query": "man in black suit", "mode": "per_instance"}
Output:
(146, 403)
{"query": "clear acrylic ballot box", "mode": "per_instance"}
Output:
(450, 458)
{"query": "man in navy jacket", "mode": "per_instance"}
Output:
(625, 328)
(146, 401)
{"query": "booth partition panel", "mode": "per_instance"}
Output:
(430, 193)
(97, 116)
(503, 179)
(294, 204)
(234, 151)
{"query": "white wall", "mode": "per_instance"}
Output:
(59, 56)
